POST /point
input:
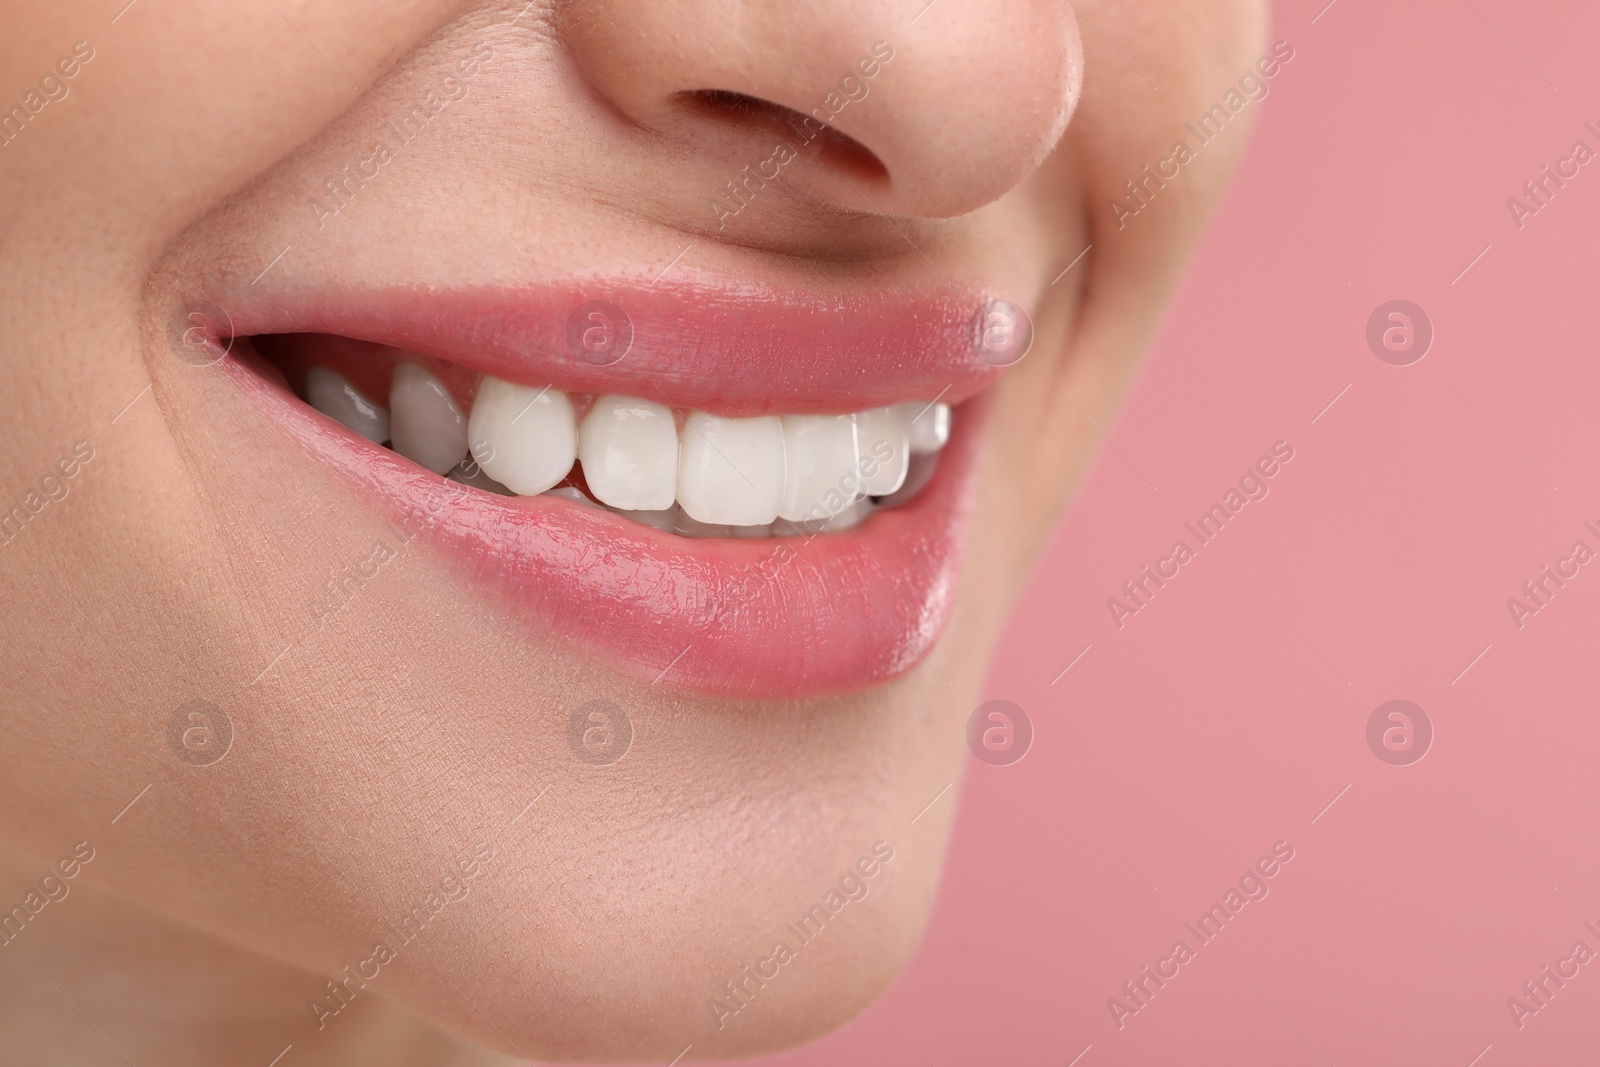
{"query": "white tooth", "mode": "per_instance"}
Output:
(730, 471)
(785, 528)
(467, 472)
(629, 452)
(425, 425)
(572, 493)
(665, 519)
(851, 516)
(918, 476)
(884, 441)
(930, 426)
(689, 527)
(333, 395)
(821, 478)
(524, 438)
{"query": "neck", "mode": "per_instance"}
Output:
(95, 978)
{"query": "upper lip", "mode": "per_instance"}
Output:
(732, 349)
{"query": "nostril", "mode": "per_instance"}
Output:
(834, 149)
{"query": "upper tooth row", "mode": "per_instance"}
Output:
(734, 472)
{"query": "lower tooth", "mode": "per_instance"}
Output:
(750, 531)
(688, 526)
(666, 519)
(467, 472)
(572, 493)
(332, 394)
(425, 424)
(850, 516)
(785, 528)
(918, 474)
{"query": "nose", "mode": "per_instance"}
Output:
(931, 112)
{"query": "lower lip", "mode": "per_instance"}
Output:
(766, 619)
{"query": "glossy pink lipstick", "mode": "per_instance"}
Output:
(736, 351)
(783, 617)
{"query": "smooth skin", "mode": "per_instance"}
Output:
(368, 756)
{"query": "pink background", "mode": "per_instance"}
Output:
(1215, 722)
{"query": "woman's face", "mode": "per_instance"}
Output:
(427, 720)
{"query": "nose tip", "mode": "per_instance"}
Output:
(930, 114)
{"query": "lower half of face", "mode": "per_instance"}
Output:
(533, 498)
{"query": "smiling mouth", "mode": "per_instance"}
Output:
(743, 493)
(691, 473)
